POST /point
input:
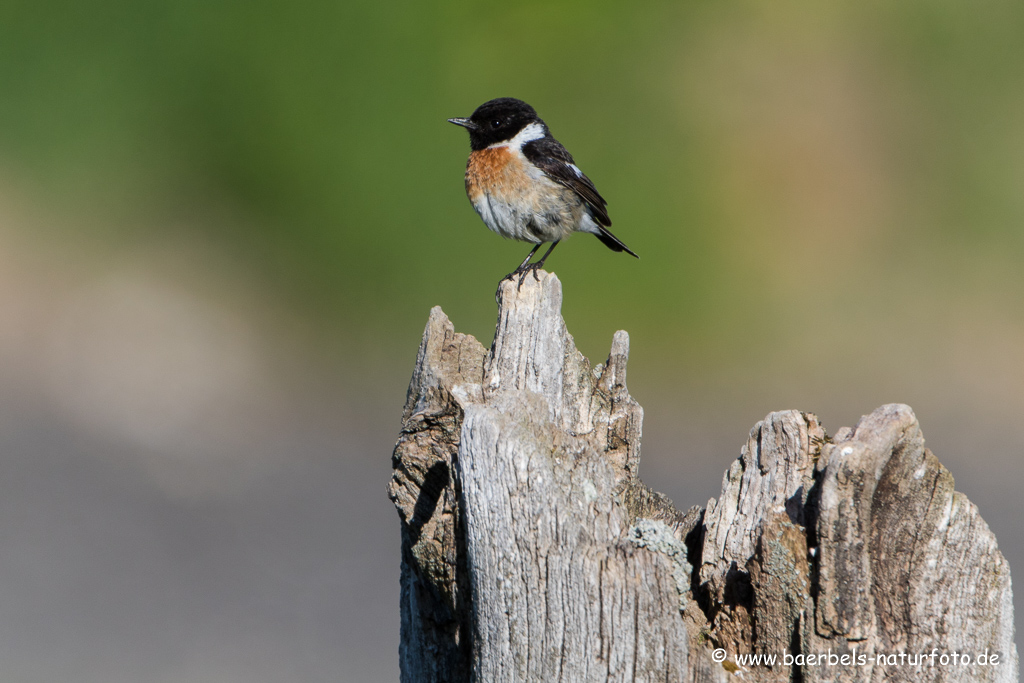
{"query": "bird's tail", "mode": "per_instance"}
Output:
(613, 242)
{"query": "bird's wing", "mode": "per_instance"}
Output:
(550, 156)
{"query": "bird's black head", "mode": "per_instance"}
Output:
(497, 121)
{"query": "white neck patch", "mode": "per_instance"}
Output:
(534, 131)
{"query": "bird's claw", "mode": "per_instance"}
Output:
(521, 272)
(511, 276)
(530, 268)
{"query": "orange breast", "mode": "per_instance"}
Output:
(496, 171)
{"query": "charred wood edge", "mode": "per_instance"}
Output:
(435, 627)
(766, 596)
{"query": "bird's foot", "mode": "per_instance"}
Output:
(522, 271)
(510, 276)
(528, 268)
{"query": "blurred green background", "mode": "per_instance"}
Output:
(222, 225)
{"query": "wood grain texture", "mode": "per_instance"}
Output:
(531, 551)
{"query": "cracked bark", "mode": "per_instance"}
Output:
(532, 551)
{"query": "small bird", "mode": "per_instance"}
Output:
(525, 185)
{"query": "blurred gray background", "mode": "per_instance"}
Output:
(222, 226)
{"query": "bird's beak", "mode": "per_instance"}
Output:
(465, 123)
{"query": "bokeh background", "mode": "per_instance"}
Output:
(222, 225)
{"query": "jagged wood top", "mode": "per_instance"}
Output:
(532, 550)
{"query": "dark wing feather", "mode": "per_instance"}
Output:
(548, 155)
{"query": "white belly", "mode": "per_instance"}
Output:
(545, 216)
(507, 219)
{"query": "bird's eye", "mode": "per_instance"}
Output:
(495, 123)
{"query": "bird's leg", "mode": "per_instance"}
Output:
(522, 266)
(536, 266)
(540, 264)
(529, 256)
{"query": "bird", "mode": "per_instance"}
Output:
(526, 186)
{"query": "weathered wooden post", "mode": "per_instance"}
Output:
(531, 551)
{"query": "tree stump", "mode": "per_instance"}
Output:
(531, 550)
